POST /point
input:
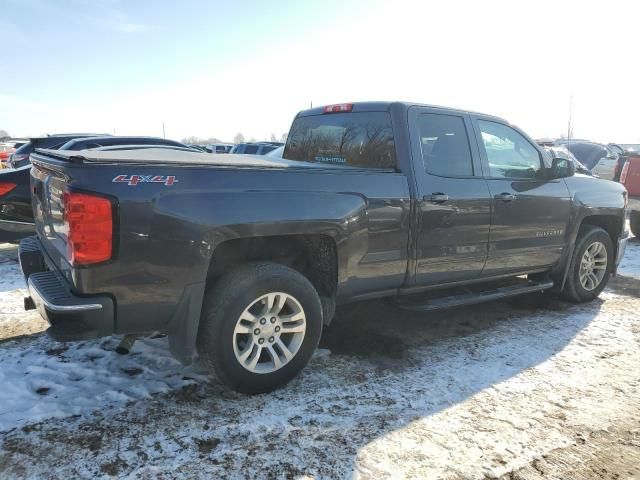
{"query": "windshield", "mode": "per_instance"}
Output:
(631, 147)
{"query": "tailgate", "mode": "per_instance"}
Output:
(48, 187)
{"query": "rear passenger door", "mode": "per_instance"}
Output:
(453, 204)
(530, 213)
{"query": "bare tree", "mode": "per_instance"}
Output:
(4, 134)
(283, 138)
(239, 138)
(273, 137)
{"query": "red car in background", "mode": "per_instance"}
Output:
(630, 178)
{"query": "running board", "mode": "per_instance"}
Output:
(470, 298)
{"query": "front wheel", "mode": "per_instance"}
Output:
(591, 265)
(259, 326)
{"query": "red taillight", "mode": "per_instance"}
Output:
(89, 220)
(338, 108)
(6, 187)
(625, 171)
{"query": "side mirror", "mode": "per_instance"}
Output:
(562, 168)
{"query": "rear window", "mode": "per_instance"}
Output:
(363, 139)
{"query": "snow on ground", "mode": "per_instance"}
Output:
(469, 393)
(630, 265)
(42, 379)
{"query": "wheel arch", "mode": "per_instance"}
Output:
(607, 219)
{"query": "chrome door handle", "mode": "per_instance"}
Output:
(437, 197)
(505, 197)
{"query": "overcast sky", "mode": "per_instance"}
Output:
(210, 68)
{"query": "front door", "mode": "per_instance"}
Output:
(453, 204)
(530, 214)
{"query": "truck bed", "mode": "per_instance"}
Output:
(164, 156)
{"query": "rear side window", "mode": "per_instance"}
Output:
(25, 149)
(445, 145)
(250, 149)
(266, 150)
(363, 139)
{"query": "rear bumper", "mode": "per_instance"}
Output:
(634, 204)
(71, 317)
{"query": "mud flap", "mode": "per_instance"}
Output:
(183, 326)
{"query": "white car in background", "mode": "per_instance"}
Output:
(277, 153)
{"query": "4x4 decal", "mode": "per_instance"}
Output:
(133, 180)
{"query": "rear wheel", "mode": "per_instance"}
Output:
(259, 326)
(591, 265)
(634, 222)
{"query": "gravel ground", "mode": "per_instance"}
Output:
(527, 389)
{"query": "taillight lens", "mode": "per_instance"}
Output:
(625, 171)
(89, 220)
(6, 187)
(18, 157)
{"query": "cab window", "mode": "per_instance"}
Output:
(510, 155)
(445, 145)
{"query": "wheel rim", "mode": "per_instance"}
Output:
(593, 266)
(269, 332)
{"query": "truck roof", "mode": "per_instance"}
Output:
(383, 106)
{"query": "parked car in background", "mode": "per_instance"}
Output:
(220, 147)
(88, 143)
(20, 157)
(628, 147)
(563, 152)
(6, 149)
(276, 153)
(244, 257)
(201, 148)
(259, 148)
(630, 178)
(16, 214)
(598, 158)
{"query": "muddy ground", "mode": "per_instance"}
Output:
(532, 388)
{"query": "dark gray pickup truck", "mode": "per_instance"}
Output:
(243, 259)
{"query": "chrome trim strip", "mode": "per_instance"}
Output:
(15, 222)
(40, 300)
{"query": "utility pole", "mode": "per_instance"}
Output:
(163, 135)
(569, 126)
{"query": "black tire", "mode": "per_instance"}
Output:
(328, 309)
(222, 307)
(634, 222)
(573, 289)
